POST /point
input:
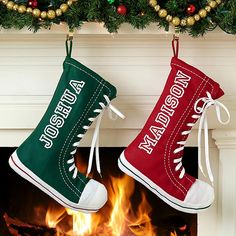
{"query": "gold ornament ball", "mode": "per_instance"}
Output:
(175, 21)
(213, 4)
(202, 13)
(69, 2)
(22, 9)
(64, 7)
(43, 14)
(29, 10)
(58, 12)
(5, 2)
(197, 17)
(36, 12)
(169, 18)
(157, 8)
(153, 3)
(15, 7)
(51, 14)
(162, 13)
(183, 22)
(218, 1)
(190, 21)
(10, 5)
(208, 8)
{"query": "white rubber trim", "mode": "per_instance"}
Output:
(27, 174)
(130, 170)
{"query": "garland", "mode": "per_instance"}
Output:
(188, 20)
(31, 8)
(195, 17)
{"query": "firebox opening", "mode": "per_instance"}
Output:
(131, 209)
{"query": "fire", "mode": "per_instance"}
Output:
(54, 216)
(173, 234)
(116, 218)
(82, 223)
(142, 225)
(120, 191)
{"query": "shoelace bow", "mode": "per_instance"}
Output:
(203, 124)
(95, 139)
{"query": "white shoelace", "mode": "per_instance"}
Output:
(207, 102)
(178, 161)
(95, 139)
(201, 113)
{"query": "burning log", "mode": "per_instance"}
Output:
(20, 228)
(3, 227)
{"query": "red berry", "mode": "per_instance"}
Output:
(121, 10)
(191, 9)
(34, 4)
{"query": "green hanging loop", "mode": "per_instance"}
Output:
(69, 43)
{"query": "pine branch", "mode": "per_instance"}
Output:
(139, 15)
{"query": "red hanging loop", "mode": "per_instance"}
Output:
(175, 45)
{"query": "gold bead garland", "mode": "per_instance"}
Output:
(37, 13)
(188, 20)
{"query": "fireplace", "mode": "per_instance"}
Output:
(131, 209)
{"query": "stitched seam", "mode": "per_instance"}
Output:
(101, 82)
(62, 157)
(167, 158)
(176, 133)
(203, 78)
(207, 81)
(212, 88)
(86, 110)
(77, 127)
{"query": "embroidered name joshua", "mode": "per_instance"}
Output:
(61, 113)
(162, 119)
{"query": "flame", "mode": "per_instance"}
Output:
(116, 218)
(53, 216)
(120, 191)
(82, 223)
(142, 225)
(173, 233)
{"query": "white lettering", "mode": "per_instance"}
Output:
(146, 145)
(163, 118)
(182, 79)
(68, 97)
(51, 131)
(61, 112)
(77, 85)
(171, 101)
(48, 142)
(177, 91)
(157, 131)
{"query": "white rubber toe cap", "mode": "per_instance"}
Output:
(94, 196)
(200, 195)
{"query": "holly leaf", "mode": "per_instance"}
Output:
(111, 1)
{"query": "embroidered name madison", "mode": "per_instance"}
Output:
(167, 110)
(61, 113)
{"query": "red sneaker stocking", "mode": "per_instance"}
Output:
(154, 158)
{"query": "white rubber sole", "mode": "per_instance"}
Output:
(27, 174)
(130, 170)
